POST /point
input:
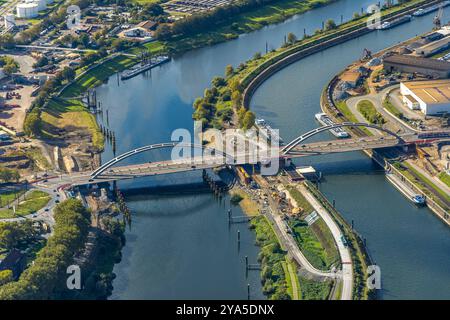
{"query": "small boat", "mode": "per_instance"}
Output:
(418, 200)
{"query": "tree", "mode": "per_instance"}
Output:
(42, 61)
(8, 175)
(330, 24)
(249, 120)
(6, 276)
(218, 82)
(291, 38)
(32, 123)
(68, 73)
(229, 71)
(163, 32)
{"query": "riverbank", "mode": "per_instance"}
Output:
(437, 199)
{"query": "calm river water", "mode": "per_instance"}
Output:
(180, 246)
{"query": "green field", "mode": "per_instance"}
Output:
(97, 75)
(344, 109)
(9, 196)
(444, 177)
(427, 182)
(314, 290)
(61, 113)
(316, 243)
(33, 202)
(272, 258)
(370, 113)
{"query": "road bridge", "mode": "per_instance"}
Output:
(213, 158)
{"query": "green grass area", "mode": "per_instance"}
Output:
(154, 47)
(9, 196)
(427, 182)
(444, 177)
(33, 202)
(370, 113)
(97, 75)
(345, 110)
(272, 257)
(314, 290)
(300, 199)
(359, 256)
(392, 109)
(311, 245)
(61, 113)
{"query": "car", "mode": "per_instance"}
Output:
(56, 201)
(46, 210)
(193, 167)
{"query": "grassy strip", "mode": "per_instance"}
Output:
(444, 177)
(370, 113)
(271, 257)
(311, 246)
(97, 75)
(428, 182)
(360, 257)
(314, 290)
(392, 109)
(35, 201)
(9, 196)
(62, 114)
(315, 241)
(345, 110)
(300, 199)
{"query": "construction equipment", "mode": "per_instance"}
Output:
(437, 21)
(367, 54)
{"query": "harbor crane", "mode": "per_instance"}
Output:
(367, 54)
(437, 21)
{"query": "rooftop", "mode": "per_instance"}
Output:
(433, 64)
(350, 76)
(430, 92)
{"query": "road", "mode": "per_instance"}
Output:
(344, 252)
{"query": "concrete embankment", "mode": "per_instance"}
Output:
(275, 64)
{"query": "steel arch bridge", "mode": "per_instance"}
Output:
(283, 152)
(137, 151)
(291, 145)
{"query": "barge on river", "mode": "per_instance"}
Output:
(142, 67)
(325, 120)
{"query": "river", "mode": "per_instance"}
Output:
(182, 247)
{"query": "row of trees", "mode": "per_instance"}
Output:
(216, 106)
(46, 277)
(8, 64)
(9, 175)
(204, 21)
(12, 233)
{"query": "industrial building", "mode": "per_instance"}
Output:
(433, 47)
(434, 68)
(431, 97)
(27, 10)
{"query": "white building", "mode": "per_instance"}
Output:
(431, 97)
(42, 4)
(27, 10)
(10, 21)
